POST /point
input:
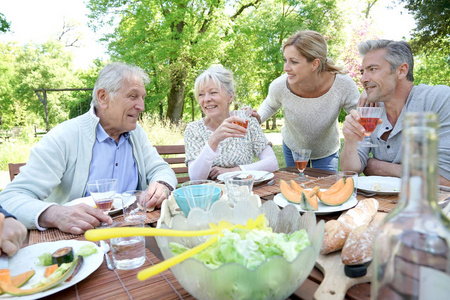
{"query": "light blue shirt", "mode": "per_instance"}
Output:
(113, 160)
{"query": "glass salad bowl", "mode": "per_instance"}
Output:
(275, 278)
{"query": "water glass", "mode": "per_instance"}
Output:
(348, 174)
(199, 193)
(134, 206)
(128, 252)
(239, 187)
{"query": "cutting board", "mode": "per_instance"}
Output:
(335, 283)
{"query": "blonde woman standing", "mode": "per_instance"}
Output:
(312, 93)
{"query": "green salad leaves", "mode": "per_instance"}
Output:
(249, 248)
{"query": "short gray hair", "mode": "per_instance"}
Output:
(111, 78)
(397, 53)
(220, 76)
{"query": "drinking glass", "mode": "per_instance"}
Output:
(134, 206)
(128, 252)
(369, 120)
(239, 187)
(301, 159)
(243, 114)
(103, 192)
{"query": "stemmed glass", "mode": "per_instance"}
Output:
(369, 120)
(301, 159)
(103, 192)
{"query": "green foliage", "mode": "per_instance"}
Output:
(432, 68)
(83, 99)
(14, 151)
(433, 24)
(4, 24)
(161, 131)
(30, 67)
(175, 40)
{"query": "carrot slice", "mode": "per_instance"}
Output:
(50, 269)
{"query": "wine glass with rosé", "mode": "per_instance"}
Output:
(369, 117)
(103, 192)
(301, 159)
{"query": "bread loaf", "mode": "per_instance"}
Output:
(336, 232)
(358, 247)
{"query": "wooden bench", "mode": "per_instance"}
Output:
(14, 169)
(174, 156)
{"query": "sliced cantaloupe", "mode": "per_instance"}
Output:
(19, 280)
(296, 187)
(340, 196)
(289, 193)
(53, 280)
(337, 186)
(22, 278)
(309, 202)
(313, 191)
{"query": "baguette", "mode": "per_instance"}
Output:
(337, 231)
(358, 247)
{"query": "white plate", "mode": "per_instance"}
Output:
(387, 185)
(322, 209)
(89, 201)
(27, 258)
(256, 174)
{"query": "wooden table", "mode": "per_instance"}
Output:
(119, 284)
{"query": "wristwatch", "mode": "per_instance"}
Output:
(166, 184)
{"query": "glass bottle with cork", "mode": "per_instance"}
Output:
(411, 250)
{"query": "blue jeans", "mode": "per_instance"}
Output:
(329, 163)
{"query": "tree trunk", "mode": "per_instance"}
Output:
(176, 96)
(44, 102)
(274, 122)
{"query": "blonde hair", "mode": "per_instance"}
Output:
(312, 45)
(222, 78)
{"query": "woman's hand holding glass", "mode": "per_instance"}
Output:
(228, 129)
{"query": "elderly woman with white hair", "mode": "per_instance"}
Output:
(214, 144)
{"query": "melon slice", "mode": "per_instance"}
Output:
(289, 193)
(296, 187)
(341, 196)
(309, 202)
(337, 186)
(59, 276)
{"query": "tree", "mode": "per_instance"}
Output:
(32, 67)
(69, 34)
(174, 40)
(433, 24)
(4, 24)
(432, 68)
(254, 48)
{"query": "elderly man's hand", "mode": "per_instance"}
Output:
(13, 235)
(73, 219)
(156, 193)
